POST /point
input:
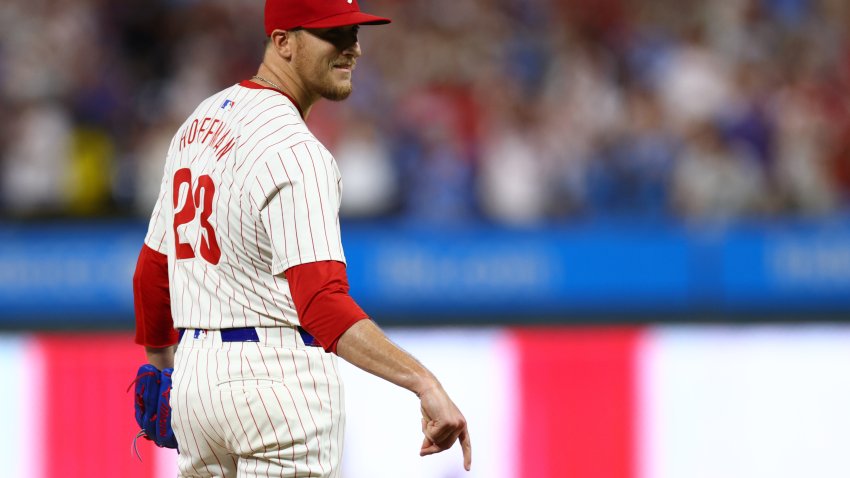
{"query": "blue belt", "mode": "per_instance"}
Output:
(249, 334)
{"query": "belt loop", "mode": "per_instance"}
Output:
(308, 339)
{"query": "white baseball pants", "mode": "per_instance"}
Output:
(256, 409)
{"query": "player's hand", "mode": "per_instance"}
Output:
(442, 425)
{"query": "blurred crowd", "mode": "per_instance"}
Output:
(518, 112)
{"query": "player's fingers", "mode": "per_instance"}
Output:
(443, 430)
(445, 433)
(440, 433)
(428, 447)
(448, 443)
(436, 433)
(466, 446)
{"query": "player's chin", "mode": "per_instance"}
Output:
(339, 92)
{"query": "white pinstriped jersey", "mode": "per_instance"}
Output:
(247, 192)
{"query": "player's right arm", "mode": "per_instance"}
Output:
(367, 347)
(327, 311)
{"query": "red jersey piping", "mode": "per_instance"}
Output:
(256, 86)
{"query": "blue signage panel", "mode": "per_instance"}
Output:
(78, 271)
(802, 268)
(83, 272)
(517, 272)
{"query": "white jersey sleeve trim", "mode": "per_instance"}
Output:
(158, 227)
(297, 189)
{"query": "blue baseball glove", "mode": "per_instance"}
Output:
(153, 407)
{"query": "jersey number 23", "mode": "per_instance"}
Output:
(201, 198)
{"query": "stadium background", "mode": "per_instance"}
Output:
(617, 230)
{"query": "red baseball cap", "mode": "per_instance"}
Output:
(288, 14)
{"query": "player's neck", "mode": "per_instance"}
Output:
(279, 80)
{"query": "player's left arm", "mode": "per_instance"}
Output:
(152, 303)
(161, 358)
(155, 331)
(151, 296)
(155, 326)
(151, 299)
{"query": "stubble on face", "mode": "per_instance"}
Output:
(318, 73)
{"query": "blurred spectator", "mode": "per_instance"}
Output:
(371, 187)
(694, 82)
(512, 170)
(647, 152)
(36, 162)
(802, 145)
(715, 181)
(438, 128)
(515, 111)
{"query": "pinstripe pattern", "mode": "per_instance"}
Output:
(276, 205)
(269, 409)
(273, 408)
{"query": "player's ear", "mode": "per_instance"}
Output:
(281, 41)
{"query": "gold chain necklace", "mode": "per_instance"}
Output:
(258, 77)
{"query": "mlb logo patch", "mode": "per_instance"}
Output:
(227, 105)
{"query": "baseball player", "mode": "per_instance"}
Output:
(241, 285)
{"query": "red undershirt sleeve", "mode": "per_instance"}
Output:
(154, 324)
(325, 309)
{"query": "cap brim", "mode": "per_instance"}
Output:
(346, 19)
